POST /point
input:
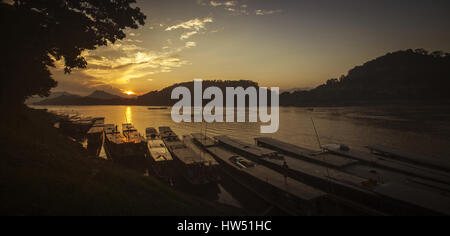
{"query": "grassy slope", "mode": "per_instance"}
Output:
(45, 173)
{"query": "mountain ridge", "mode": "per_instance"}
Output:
(409, 75)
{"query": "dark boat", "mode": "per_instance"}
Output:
(209, 161)
(386, 186)
(291, 196)
(95, 137)
(129, 148)
(191, 166)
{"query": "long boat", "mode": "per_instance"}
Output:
(318, 157)
(389, 164)
(95, 137)
(189, 164)
(349, 191)
(128, 148)
(209, 162)
(400, 155)
(161, 161)
(420, 189)
(291, 196)
(353, 180)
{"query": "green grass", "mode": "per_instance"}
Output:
(43, 172)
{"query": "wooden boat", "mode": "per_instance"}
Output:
(161, 160)
(406, 189)
(208, 160)
(349, 191)
(318, 157)
(352, 184)
(400, 155)
(248, 149)
(291, 196)
(389, 164)
(189, 164)
(129, 149)
(76, 126)
(113, 142)
(95, 138)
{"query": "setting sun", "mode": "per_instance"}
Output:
(129, 93)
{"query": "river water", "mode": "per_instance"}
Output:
(423, 130)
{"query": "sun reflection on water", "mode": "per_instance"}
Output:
(129, 115)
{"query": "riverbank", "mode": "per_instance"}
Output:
(43, 172)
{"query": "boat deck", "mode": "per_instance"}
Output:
(207, 158)
(305, 154)
(112, 135)
(204, 140)
(178, 148)
(246, 148)
(131, 134)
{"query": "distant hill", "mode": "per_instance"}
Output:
(163, 97)
(36, 99)
(103, 95)
(410, 75)
(154, 98)
(96, 98)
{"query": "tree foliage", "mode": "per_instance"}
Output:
(36, 33)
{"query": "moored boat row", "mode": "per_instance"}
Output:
(296, 180)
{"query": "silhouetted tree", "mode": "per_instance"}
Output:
(36, 33)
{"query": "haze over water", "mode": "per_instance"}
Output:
(421, 130)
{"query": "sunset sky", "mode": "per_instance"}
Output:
(282, 43)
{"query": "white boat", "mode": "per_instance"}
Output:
(160, 159)
(156, 147)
